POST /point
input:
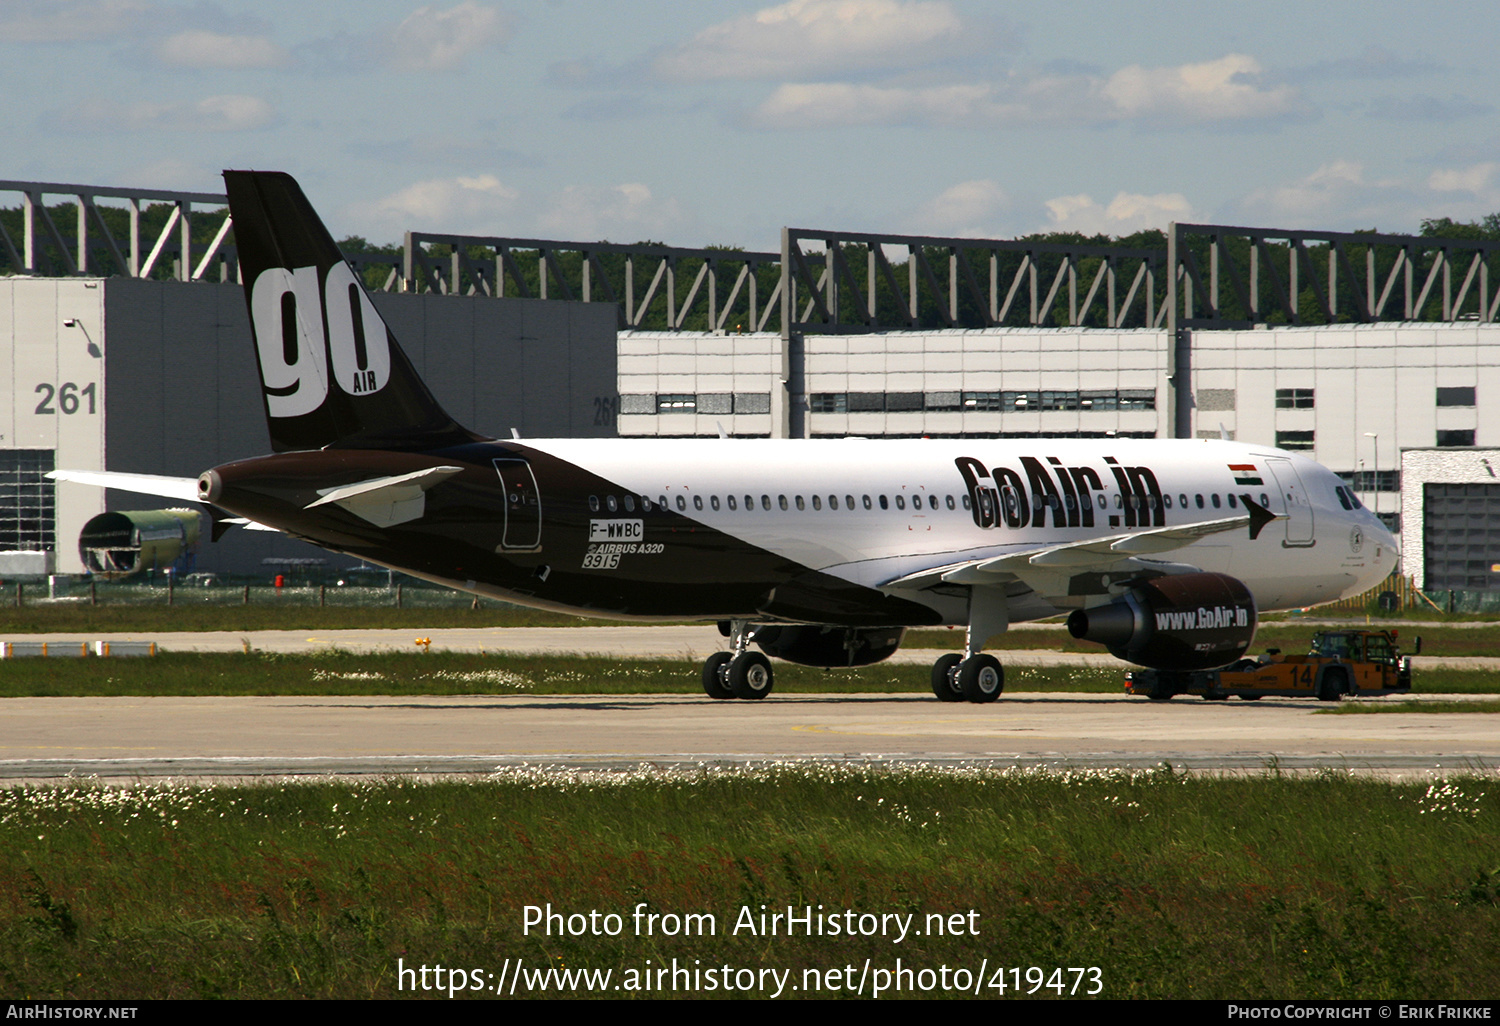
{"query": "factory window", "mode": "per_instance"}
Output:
(829, 402)
(752, 402)
(1463, 396)
(1294, 399)
(938, 401)
(27, 500)
(1451, 439)
(866, 402)
(676, 402)
(1294, 439)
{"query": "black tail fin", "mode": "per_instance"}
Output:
(331, 372)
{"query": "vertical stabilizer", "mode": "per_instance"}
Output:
(331, 372)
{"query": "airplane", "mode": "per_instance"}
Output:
(820, 552)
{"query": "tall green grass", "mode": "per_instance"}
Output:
(1174, 886)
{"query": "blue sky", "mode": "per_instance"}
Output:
(698, 123)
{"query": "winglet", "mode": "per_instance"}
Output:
(1259, 516)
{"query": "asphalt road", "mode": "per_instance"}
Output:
(257, 737)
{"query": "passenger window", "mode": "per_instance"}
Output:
(900, 502)
(611, 503)
(713, 500)
(1232, 503)
(1200, 501)
(884, 503)
(833, 502)
(1215, 498)
(867, 502)
(1071, 502)
(765, 502)
(630, 504)
(681, 503)
(730, 500)
(661, 502)
(966, 501)
(781, 500)
(848, 502)
(1265, 500)
(800, 504)
(932, 502)
(1182, 500)
(817, 502)
(1119, 502)
(1167, 501)
(645, 504)
(593, 503)
(950, 502)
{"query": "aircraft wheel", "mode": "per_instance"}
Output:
(716, 675)
(981, 678)
(750, 675)
(945, 678)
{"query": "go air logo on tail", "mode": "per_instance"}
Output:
(305, 327)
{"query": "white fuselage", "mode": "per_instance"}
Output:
(870, 511)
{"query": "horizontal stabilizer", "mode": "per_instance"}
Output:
(183, 489)
(387, 501)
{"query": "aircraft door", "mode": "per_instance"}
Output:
(523, 505)
(1294, 500)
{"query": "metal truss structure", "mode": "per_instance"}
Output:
(823, 282)
(94, 248)
(600, 272)
(1232, 277)
(982, 283)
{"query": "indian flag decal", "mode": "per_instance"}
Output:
(1245, 474)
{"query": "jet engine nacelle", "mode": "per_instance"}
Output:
(119, 544)
(818, 645)
(1181, 622)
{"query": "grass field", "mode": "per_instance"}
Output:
(1171, 886)
(1449, 638)
(458, 673)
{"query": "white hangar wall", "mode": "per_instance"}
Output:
(1320, 390)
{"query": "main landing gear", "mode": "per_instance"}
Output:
(975, 676)
(741, 673)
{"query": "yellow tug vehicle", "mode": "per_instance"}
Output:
(1345, 662)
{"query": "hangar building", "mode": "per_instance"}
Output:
(1350, 348)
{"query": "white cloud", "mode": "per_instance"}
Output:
(1477, 179)
(199, 48)
(1128, 212)
(229, 113)
(1330, 193)
(433, 40)
(1221, 91)
(627, 212)
(964, 209)
(808, 38)
(477, 205)
(834, 104)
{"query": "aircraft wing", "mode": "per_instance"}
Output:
(1080, 568)
(182, 489)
